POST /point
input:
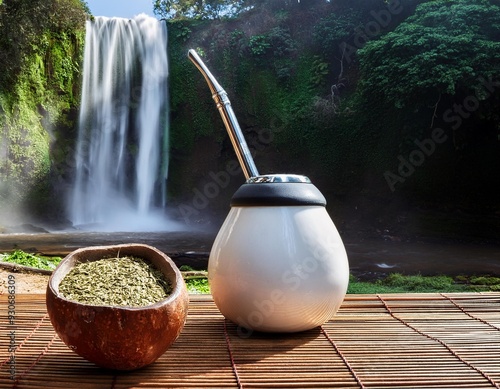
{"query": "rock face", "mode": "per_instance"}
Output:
(39, 94)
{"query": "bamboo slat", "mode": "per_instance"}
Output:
(375, 341)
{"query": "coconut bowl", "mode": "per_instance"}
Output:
(121, 338)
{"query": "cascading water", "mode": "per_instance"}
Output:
(122, 146)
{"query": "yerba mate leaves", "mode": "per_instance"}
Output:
(125, 281)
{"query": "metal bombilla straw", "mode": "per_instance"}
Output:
(277, 223)
(224, 106)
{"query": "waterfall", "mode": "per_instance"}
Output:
(122, 146)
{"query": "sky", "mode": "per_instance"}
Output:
(121, 8)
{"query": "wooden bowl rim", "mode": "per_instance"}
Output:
(63, 269)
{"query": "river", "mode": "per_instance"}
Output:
(368, 259)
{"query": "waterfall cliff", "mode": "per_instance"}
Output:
(122, 146)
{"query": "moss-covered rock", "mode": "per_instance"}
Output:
(38, 95)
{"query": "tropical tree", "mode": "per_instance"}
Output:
(445, 48)
(196, 9)
(216, 9)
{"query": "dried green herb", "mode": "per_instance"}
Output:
(124, 281)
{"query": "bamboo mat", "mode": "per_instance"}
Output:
(375, 341)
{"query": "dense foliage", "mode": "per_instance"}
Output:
(222, 9)
(39, 89)
(442, 49)
(23, 258)
(289, 77)
(196, 9)
(437, 73)
(345, 92)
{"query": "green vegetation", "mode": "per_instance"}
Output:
(436, 69)
(196, 9)
(342, 91)
(197, 282)
(22, 258)
(39, 92)
(221, 9)
(399, 283)
(197, 285)
(440, 50)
